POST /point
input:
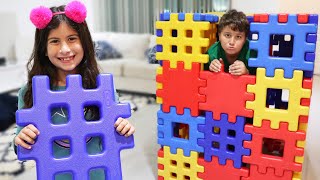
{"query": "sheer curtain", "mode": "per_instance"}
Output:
(138, 16)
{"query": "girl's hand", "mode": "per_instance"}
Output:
(215, 65)
(123, 127)
(238, 68)
(27, 135)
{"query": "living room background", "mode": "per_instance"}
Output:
(138, 16)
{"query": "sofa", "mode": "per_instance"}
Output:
(132, 72)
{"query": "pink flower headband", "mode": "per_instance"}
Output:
(41, 16)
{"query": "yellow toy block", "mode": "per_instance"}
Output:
(179, 167)
(296, 176)
(192, 41)
(159, 85)
(290, 115)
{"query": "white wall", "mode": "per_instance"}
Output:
(256, 6)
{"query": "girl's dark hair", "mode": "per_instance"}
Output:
(236, 20)
(39, 63)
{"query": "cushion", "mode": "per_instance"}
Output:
(104, 50)
(151, 55)
(140, 69)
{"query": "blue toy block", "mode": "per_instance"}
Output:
(77, 129)
(289, 64)
(181, 16)
(205, 17)
(159, 33)
(310, 57)
(159, 48)
(312, 38)
(230, 134)
(250, 19)
(165, 16)
(313, 19)
(167, 138)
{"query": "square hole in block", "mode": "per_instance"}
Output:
(173, 162)
(189, 49)
(277, 98)
(180, 130)
(231, 133)
(281, 45)
(98, 172)
(174, 33)
(98, 139)
(92, 111)
(59, 113)
(186, 177)
(216, 130)
(173, 175)
(174, 49)
(230, 148)
(254, 36)
(186, 165)
(63, 175)
(62, 141)
(215, 144)
(273, 147)
(189, 33)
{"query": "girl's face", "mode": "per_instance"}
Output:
(64, 49)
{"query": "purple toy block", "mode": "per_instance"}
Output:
(77, 129)
(227, 143)
(159, 32)
(311, 38)
(313, 19)
(310, 57)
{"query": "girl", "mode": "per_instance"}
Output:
(63, 46)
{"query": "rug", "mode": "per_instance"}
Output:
(11, 167)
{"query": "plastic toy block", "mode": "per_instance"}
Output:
(205, 17)
(301, 144)
(281, 164)
(167, 138)
(312, 38)
(221, 96)
(289, 64)
(297, 92)
(303, 18)
(160, 166)
(250, 19)
(177, 166)
(159, 32)
(269, 175)
(313, 19)
(262, 18)
(296, 176)
(180, 88)
(213, 170)
(191, 42)
(181, 16)
(165, 16)
(227, 142)
(159, 85)
(283, 18)
(75, 98)
(307, 84)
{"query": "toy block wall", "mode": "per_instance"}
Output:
(220, 126)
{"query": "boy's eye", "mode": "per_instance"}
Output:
(239, 37)
(227, 35)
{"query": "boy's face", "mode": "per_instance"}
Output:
(232, 41)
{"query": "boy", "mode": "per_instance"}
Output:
(233, 47)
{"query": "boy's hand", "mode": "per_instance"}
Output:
(123, 127)
(27, 135)
(215, 65)
(238, 68)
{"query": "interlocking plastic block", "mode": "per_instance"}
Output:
(300, 46)
(262, 18)
(283, 18)
(225, 143)
(205, 17)
(301, 144)
(280, 164)
(306, 84)
(213, 170)
(303, 18)
(77, 129)
(177, 166)
(165, 16)
(296, 176)
(296, 93)
(167, 138)
(313, 19)
(181, 16)
(180, 88)
(226, 93)
(250, 19)
(269, 175)
(160, 166)
(190, 43)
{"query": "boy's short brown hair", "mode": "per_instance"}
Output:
(236, 20)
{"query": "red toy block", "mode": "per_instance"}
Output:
(180, 88)
(262, 18)
(213, 170)
(283, 18)
(160, 166)
(255, 175)
(286, 162)
(303, 18)
(307, 84)
(226, 93)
